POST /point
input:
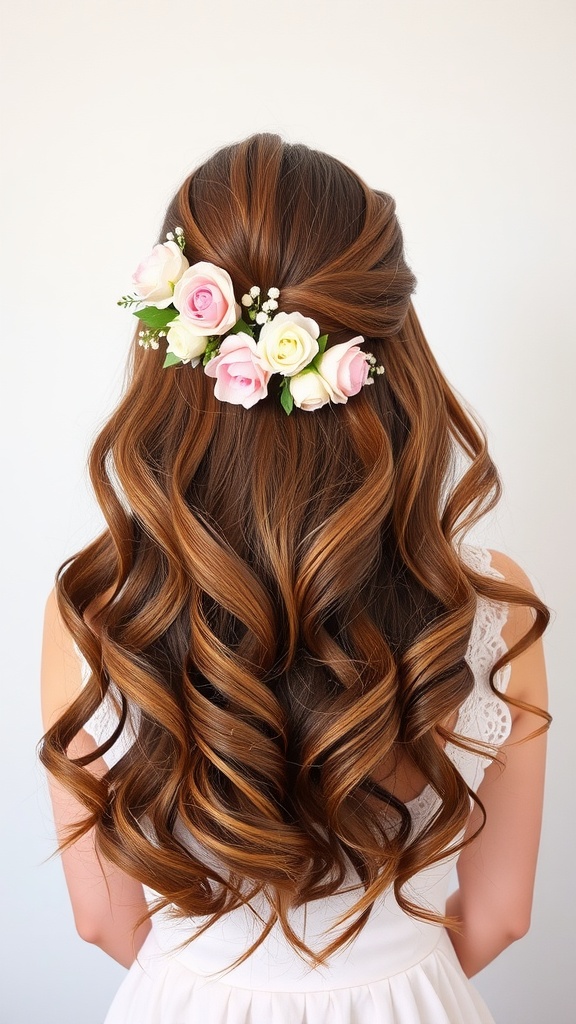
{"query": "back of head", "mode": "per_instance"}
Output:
(281, 215)
(270, 587)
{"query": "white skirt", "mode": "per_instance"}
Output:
(161, 988)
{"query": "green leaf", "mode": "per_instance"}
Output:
(212, 346)
(156, 318)
(286, 397)
(322, 341)
(129, 300)
(241, 327)
(170, 360)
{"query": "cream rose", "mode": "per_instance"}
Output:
(309, 390)
(288, 342)
(184, 342)
(204, 296)
(155, 277)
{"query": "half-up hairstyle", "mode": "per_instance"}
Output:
(280, 599)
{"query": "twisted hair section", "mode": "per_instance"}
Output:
(278, 600)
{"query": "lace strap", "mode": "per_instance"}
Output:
(483, 716)
(486, 643)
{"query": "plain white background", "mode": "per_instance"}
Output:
(465, 113)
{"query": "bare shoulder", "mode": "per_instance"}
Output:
(510, 570)
(61, 670)
(520, 616)
(61, 674)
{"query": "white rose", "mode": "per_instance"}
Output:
(184, 343)
(287, 343)
(155, 277)
(308, 390)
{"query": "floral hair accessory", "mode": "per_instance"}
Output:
(193, 308)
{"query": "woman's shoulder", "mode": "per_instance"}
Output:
(526, 673)
(64, 672)
(514, 619)
(495, 563)
(519, 617)
(510, 570)
(61, 671)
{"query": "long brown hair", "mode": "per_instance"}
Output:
(280, 597)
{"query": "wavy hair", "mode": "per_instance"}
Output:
(281, 598)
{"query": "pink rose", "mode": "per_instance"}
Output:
(345, 369)
(240, 375)
(155, 277)
(204, 296)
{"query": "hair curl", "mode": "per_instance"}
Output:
(280, 597)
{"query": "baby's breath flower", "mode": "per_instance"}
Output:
(262, 318)
(179, 231)
(246, 300)
(255, 291)
(170, 236)
(148, 338)
(274, 293)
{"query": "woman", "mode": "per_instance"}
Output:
(305, 696)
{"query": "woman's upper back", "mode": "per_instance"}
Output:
(483, 716)
(390, 936)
